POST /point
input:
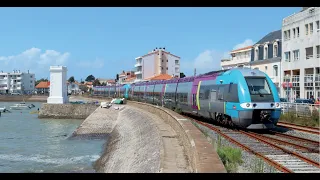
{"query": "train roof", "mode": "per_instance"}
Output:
(244, 71)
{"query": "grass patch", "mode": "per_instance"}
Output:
(312, 121)
(230, 157)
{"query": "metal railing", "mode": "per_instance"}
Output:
(300, 109)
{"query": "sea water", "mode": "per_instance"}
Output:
(29, 144)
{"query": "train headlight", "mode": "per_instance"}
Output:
(277, 104)
(248, 104)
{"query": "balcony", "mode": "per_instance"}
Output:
(138, 64)
(138, 72)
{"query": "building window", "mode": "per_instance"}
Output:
(275, 70)
(287, 56)
(285, 35)
(275, 49)
(30, 81)
(256, 55)
(318, 26)
(167, 68)
(311, 28)
(309, 52)
(294, 32)
(30, 76)
(265, 55)
(266, 68)
(162, 60)
(306, 29)
(161, 68)
(297, 31)
(167, 60)
(318, 51)
(289, 34)
(177, 61)
(296, 55)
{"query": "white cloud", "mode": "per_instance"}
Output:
(35, 60)
(209, 60)
(98, 63)
(247, 42)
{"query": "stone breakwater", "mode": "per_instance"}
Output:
(66, 111)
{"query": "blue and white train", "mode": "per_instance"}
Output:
(241, 97)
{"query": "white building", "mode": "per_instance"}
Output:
(266, 56)
(17, 82)
(156, 62)
(239, 58)
(301, 53)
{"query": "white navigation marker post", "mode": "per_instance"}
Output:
(58, 85)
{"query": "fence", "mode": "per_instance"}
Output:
(300, 109)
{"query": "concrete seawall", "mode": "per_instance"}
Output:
(17, 98)
(66, 111)
(201, 154)
(178, 138)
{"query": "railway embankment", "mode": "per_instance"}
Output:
(146, 138)
(66, 111)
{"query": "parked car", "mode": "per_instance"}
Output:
(305, 101)
(15, 94)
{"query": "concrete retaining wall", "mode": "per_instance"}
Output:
(201, 154)
(66, 111)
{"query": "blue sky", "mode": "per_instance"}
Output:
(105, 41)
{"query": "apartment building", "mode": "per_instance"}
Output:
(158, 61)
(301, 53)
(266, 56)
(239, 58)
(17, 82)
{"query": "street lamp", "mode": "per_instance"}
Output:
(288, 80)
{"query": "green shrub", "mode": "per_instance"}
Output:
(230, 157)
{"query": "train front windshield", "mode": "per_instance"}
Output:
(259, 89)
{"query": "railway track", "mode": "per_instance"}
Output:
(311, 130)
(260, 145)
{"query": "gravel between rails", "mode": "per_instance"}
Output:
(251, 163)
(298, 133)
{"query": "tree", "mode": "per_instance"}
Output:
(96, 83)
(103, 84)
(90, 78)
(182, 75)
(40, 80)
(71, 79)
(83, 88)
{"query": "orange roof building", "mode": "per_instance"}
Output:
(43, 85)
(160, 77)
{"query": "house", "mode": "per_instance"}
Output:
(266, 56)
(73, 88)
(43, 87)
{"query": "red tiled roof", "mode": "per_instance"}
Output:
(160, 77)
(244, 48)
(43, 84)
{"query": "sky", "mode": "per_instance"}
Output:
(104, 41)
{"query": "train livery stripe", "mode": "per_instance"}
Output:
(198, 90)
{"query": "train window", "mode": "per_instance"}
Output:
(213, 95)
(194, 99)
(220, 93)
(206, 94)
